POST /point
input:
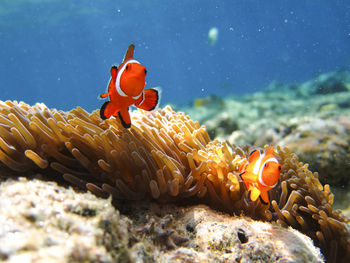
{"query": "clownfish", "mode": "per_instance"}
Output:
(261, 174)
(126, 88)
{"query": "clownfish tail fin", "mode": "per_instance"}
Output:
(248, 177)
(149, 100)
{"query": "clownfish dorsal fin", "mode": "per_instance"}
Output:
(253, 156)
(129, 53)
(269, 150)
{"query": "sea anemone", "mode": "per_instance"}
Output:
(167, 157)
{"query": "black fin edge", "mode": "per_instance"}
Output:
(102, 110)
(262, 201)
(252, 153)
(155, 106)
(249, 198)
(125, 125)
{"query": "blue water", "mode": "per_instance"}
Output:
(59, 52)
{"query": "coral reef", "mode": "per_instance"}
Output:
(168, 157)
(43, 222)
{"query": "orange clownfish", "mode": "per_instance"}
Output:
(261, 174)
(126, 88)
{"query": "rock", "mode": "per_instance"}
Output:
(221, 125)
(323, 143)
(43, 222)
(330, 83)
(240, 239)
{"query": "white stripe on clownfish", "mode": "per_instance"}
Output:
(258, 163)
(143, 98)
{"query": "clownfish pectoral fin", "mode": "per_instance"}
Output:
(264, 197)
(149, 99)
(129, 53)
(124, 117)
(254, 194)
(103, 113)
(103, 95)
(114, 72)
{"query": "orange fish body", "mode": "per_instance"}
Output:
(261, 174)
(126, 88)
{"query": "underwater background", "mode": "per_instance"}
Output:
(238, 75)
(60, 51)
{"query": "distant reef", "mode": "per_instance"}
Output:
(312, 119)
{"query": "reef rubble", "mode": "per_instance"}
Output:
(44, 222)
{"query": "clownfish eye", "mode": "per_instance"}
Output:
(127, 67)
(145, 71)
(279, 168)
